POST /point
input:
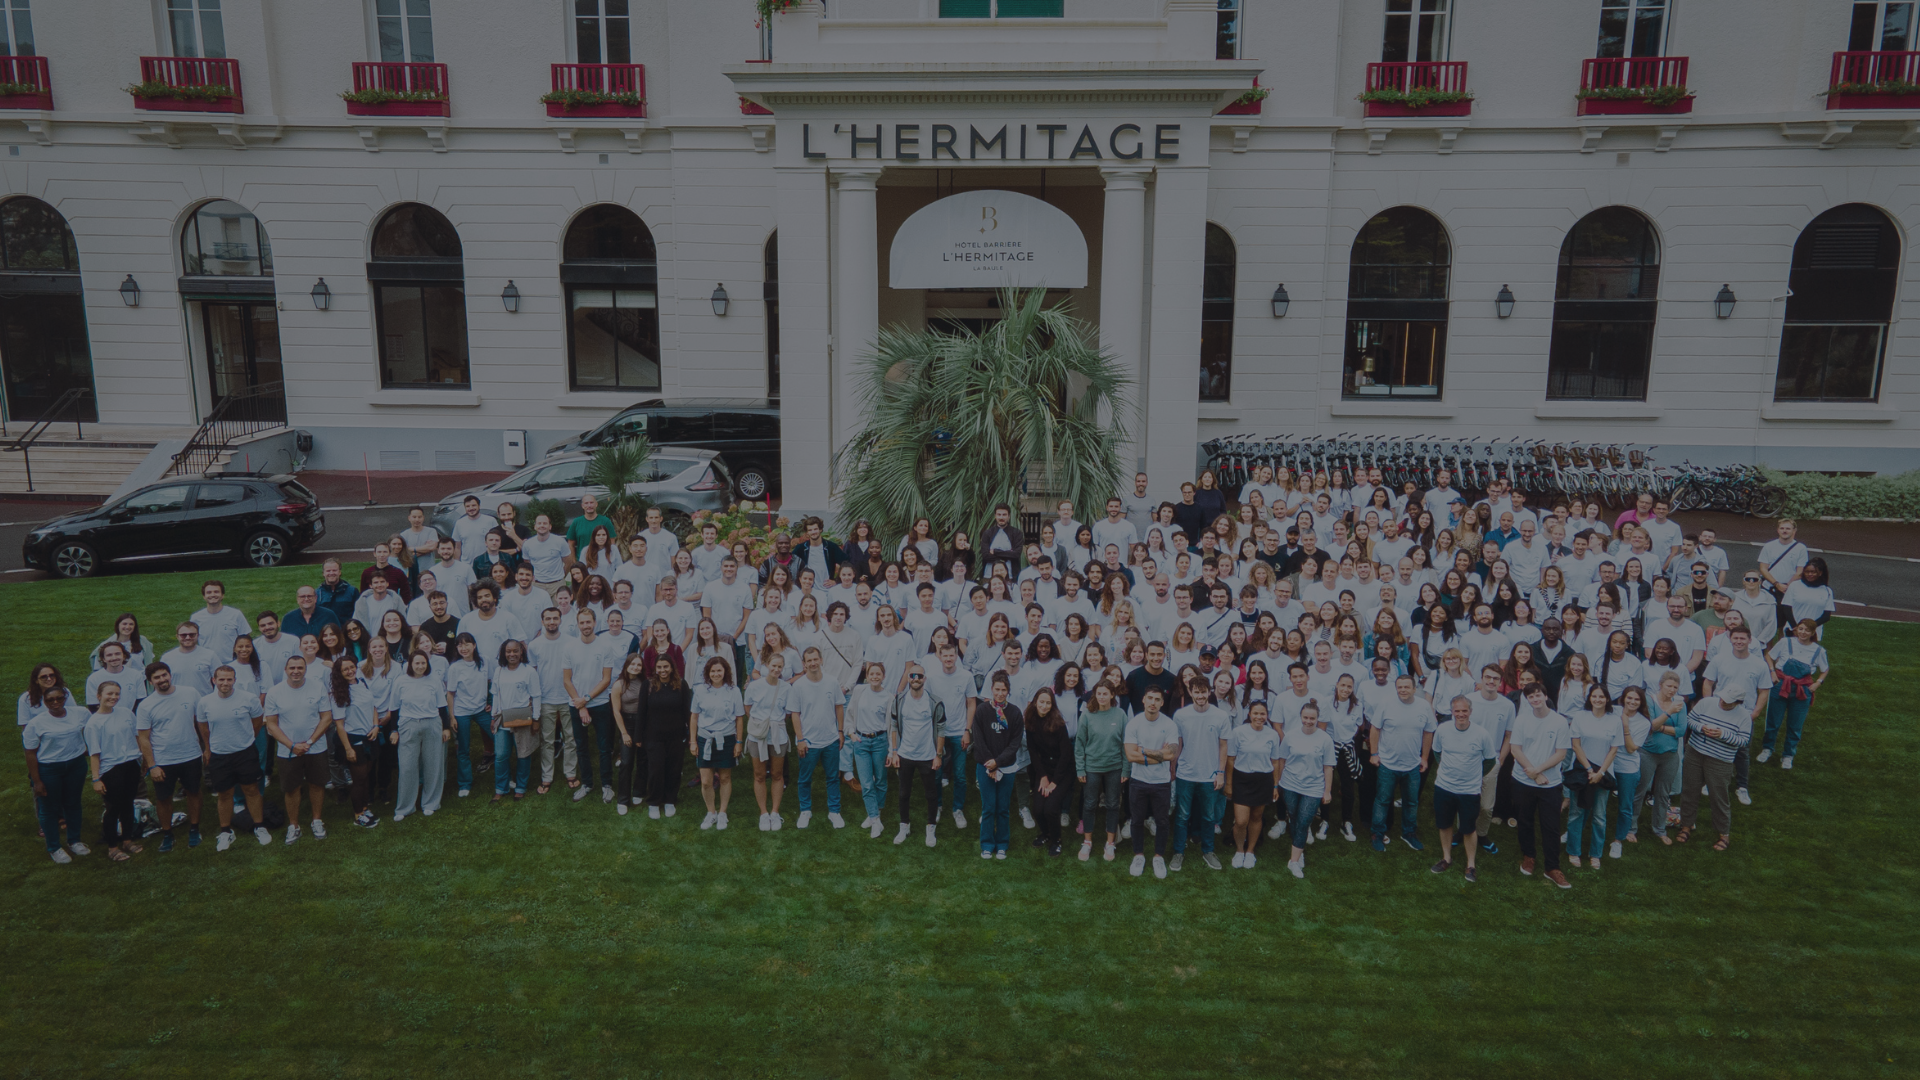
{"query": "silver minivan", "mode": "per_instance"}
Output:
(683, 479)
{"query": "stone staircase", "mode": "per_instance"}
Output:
(95, 463)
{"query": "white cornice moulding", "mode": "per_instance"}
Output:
(432, 399)
(605, 402)
(1597, 410)
(1383, 410)
(1812, 412)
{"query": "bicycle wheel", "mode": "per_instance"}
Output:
(1688, 495)
(1768, 501)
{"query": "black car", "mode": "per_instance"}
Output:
(745, 432)
(262, 519)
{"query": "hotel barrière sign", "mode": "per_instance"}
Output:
(988, 240)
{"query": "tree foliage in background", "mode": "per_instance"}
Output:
(615, 469)
(953, 421)
(1817, 495)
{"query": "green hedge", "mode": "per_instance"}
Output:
(1815, 495)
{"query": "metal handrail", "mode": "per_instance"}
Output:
(255, 409)
(68, 402)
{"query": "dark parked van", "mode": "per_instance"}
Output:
(745, 432)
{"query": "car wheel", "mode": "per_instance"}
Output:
(752, 483)
(75, 560)
(264, 549)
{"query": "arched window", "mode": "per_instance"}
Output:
(227, 283)
(613, 324)
(1397, 306)
(771, 291)
(1216, 316)
(1846, 265)
(420, 299)
(1603, 308)
(43, 317)
(223, 239)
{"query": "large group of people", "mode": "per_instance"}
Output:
(1323, 654)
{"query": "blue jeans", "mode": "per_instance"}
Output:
(1795, 715)
(1407, 784)
(510, 773)
(996, 799)
(1623, 823)
(953, 770)
(870, 765)
(1589, 820)
(1301, 810)
(1193, 799)
(601, 731)
(63, 780)
(828, 758)
(467, 728)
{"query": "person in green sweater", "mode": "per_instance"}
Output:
(1100, 760)
(580, 529)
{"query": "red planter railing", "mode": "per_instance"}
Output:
(27, 71)
(192, 72)
(1444, 76)
(400, 78)
(1648, 73)
(609, 79)
(1869, 69)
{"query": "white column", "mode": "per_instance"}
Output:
(857, 298)
(1173, 344)
(1123, 256)
(806, 404)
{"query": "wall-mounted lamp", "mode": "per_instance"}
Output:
(322, 296)
(510, 298)
(1503, 302)
(719, 299)
(130, 292)
(1723, 303)
(1281, 301)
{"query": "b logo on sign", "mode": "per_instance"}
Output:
(992, 218)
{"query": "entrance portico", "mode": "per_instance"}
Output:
(1122, 149)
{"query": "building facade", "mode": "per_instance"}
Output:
(414, 226)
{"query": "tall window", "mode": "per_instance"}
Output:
(1216, 316)
(1632, 28)
(1415, 30)
(1881, 26)
(601, 32)
(1397, 306)
(613, 309)
(43, 318)
(406, 31)
(222, 239)
(1603, 310)
(196, 29)
(16, 28)
(420, 299)
(1226, 39)
(1846, 266)
(771, 291)
(1002, 9)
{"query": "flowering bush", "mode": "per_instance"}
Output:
(1659, 96)
(153, 88)
(1417, 98)
(574, 99)
(377, 96)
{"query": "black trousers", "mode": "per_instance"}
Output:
(632, 780)
(923, 771)
(119, 822)
(1046, 811)
(666, 756)
(1151, 800)
(1531, 803)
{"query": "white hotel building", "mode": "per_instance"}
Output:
(1642, 221)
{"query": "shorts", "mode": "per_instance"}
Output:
(715, 753)
(229, 771)
(186, 774)
(1451, 811)
(766, 751)
(307, 769)
(1252, 788)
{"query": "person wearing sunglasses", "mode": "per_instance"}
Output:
(1758, 605)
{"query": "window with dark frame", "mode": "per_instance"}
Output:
(1605, 302)
(1632, 28)
(405, 30)
(1881, 26)
(1415, 31)
(1226, 39)
(1216, 316)
(196, 28)
(1846, 269)
(16, 28)
(1397, 309)
(602, 32)
(420, 300)
(44, 347)
(610, 274)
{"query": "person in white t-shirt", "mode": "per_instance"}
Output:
(680, 618)
(218, 623)
(470, 530)
(547, 553)
(298, 714)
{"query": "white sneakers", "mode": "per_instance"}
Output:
(774, 822)
(1247, 863)
(261, 834)
(1764, 755)
(1322, 833)
(1086, 850)
(1280, 827)
(720, 821)
(224, 840)
(1613, 850)
(319, 829)
(765, 826)
(707, 822)
(579, 793)
(60, 856)
(606, 792)
(1741, 794)
(1110, 852)
(1139, 864)
(959, 820)
(901, 836)
(985, 854)
(670, 809)
(875, 828)
(1159, 867)
(1347, 831)
(1126, 830)
(805, 819)
(1297, 869)
(1065, 819)
(1239, 857)
(464, 792)
(1787, 762)
(838, 821)
(653, 812)
(293, 833)
(1026, 818)
(930, 840)
(621, 809)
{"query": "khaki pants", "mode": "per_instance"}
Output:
(1697, 770)
(1488, 784)
(552, 717)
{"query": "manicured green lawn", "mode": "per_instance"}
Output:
(553, 939)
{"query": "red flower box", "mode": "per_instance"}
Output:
(1394, 108)
(1873, 101)
(605, 108)
(748, 108)
(227, 105)
(27, 101)
(1630, 107)
(398, 108)
(1251, 108)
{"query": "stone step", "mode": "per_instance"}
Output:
(70, 470)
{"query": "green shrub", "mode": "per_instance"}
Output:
(555, 511)
(1816, 495)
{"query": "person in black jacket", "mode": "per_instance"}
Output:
(1002, 541)
(996, 740)
(1050, 757)
(665, 709)
(803, 551)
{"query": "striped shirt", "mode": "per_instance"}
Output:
(1734, 722)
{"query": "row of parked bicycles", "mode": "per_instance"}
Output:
(1608, 474)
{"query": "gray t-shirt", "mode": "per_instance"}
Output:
(1152, 736)
(1538, 738)
(1308, 756)
(1462, 756)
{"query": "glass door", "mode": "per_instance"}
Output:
(243, 354)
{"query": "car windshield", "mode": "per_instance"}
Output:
(666, 468)
(622, 427)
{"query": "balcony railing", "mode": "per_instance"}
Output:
(28, 82)
(597, 90)
(1620, 85)
(386, 88)
(1874, 80)
(1418, 88)
(189, 84)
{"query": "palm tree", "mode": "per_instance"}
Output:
(616, 468)
(953, 421)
